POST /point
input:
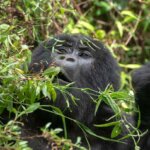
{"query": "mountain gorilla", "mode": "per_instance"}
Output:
(88, 64)
(141, 85)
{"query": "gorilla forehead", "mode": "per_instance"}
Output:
(71, 38)
(78, 41)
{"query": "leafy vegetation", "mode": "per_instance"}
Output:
(124, 26)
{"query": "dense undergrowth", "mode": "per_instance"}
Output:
(124, 26)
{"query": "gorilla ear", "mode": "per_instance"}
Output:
(41, 57)
(35, 68)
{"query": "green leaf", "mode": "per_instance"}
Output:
(58, 130)
(116, 131)
(98, 104)
(90, 132)
(45, 91)
(119, 95)
(100, 34)
(86, 25)
(108, 124)
(32, 108)
(120, 28)
(130, 66)
(38, 90)
(59, 112)
(128, 19)
(139, 118)
(52, 71)
(53, 93)
(4, 27)
(112, 104)
(129, 13)
(48, 125)
(104, 7)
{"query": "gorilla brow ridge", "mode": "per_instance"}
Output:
(89, 43)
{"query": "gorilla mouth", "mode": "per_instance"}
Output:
(63, 77)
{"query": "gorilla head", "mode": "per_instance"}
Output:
(83, 60)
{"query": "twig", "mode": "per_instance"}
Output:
(134, 29)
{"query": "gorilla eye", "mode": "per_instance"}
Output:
(85, 54)
(61, 51)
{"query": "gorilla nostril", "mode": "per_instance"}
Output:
(62, 57)
(70, 59)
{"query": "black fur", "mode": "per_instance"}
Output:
(141, 85)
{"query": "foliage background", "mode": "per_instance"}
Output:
(124, 27)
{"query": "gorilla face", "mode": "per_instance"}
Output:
(72, 57)
(82, 60)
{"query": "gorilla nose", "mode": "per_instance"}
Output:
(69, 59)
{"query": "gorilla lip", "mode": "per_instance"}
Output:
(61, 76)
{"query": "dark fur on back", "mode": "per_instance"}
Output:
(141, 85)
